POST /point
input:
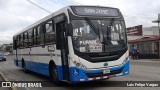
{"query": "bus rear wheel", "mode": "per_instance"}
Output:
(24, 66)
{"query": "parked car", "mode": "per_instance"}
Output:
(2, 56)
(6, 53)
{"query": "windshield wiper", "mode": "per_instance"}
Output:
(92, 26)
(96, 30)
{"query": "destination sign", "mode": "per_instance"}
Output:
(95, 11)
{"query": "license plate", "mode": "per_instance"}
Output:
(105, 71)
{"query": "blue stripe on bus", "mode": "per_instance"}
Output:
(82, 72)
(41, 68)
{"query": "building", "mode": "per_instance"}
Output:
(149, 46)
(136, 32)
(7, 47)
(146, 39)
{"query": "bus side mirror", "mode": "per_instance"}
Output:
(69, 29)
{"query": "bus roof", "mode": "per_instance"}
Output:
(63, 10)
(81, 10)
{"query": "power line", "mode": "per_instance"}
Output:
(74, 2)
(38, 6)
(127, 14)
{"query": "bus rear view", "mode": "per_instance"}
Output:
(98, 43)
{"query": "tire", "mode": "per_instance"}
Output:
(24, 67)
(54, 74)
(4, 59)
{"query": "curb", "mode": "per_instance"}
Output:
(5, 79)
(143, 60)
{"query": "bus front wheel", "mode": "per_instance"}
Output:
(54, 74)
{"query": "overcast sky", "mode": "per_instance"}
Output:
(18, 14)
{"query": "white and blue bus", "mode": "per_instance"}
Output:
(75, 44)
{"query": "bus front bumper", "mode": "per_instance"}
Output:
(81, 75)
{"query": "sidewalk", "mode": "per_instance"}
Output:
(147, 60)
(1, 80)
(130, 57)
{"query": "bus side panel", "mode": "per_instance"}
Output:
(40, 68)
(37, 60)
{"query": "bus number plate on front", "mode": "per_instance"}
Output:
(105, 71)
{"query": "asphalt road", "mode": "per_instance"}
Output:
(140, 70)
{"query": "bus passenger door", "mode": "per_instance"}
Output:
(61, 39)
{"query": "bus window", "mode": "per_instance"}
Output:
(34, 39)
(14, 43)
(50, 33)
(38, 35)
(30, 37)
(21, 40)
(42, 35)
(17, 40)
(26, 39)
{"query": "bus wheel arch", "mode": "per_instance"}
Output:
(53, 72)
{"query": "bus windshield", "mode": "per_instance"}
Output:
(98, 35)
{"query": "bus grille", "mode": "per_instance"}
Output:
(91, 75)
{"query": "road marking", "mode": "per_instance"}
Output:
(13, 88)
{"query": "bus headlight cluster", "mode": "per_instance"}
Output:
(127, 58)
(83, 66)
(79, 65)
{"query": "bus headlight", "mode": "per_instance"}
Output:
(79, 65)
(83, 66)
(127, 58)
